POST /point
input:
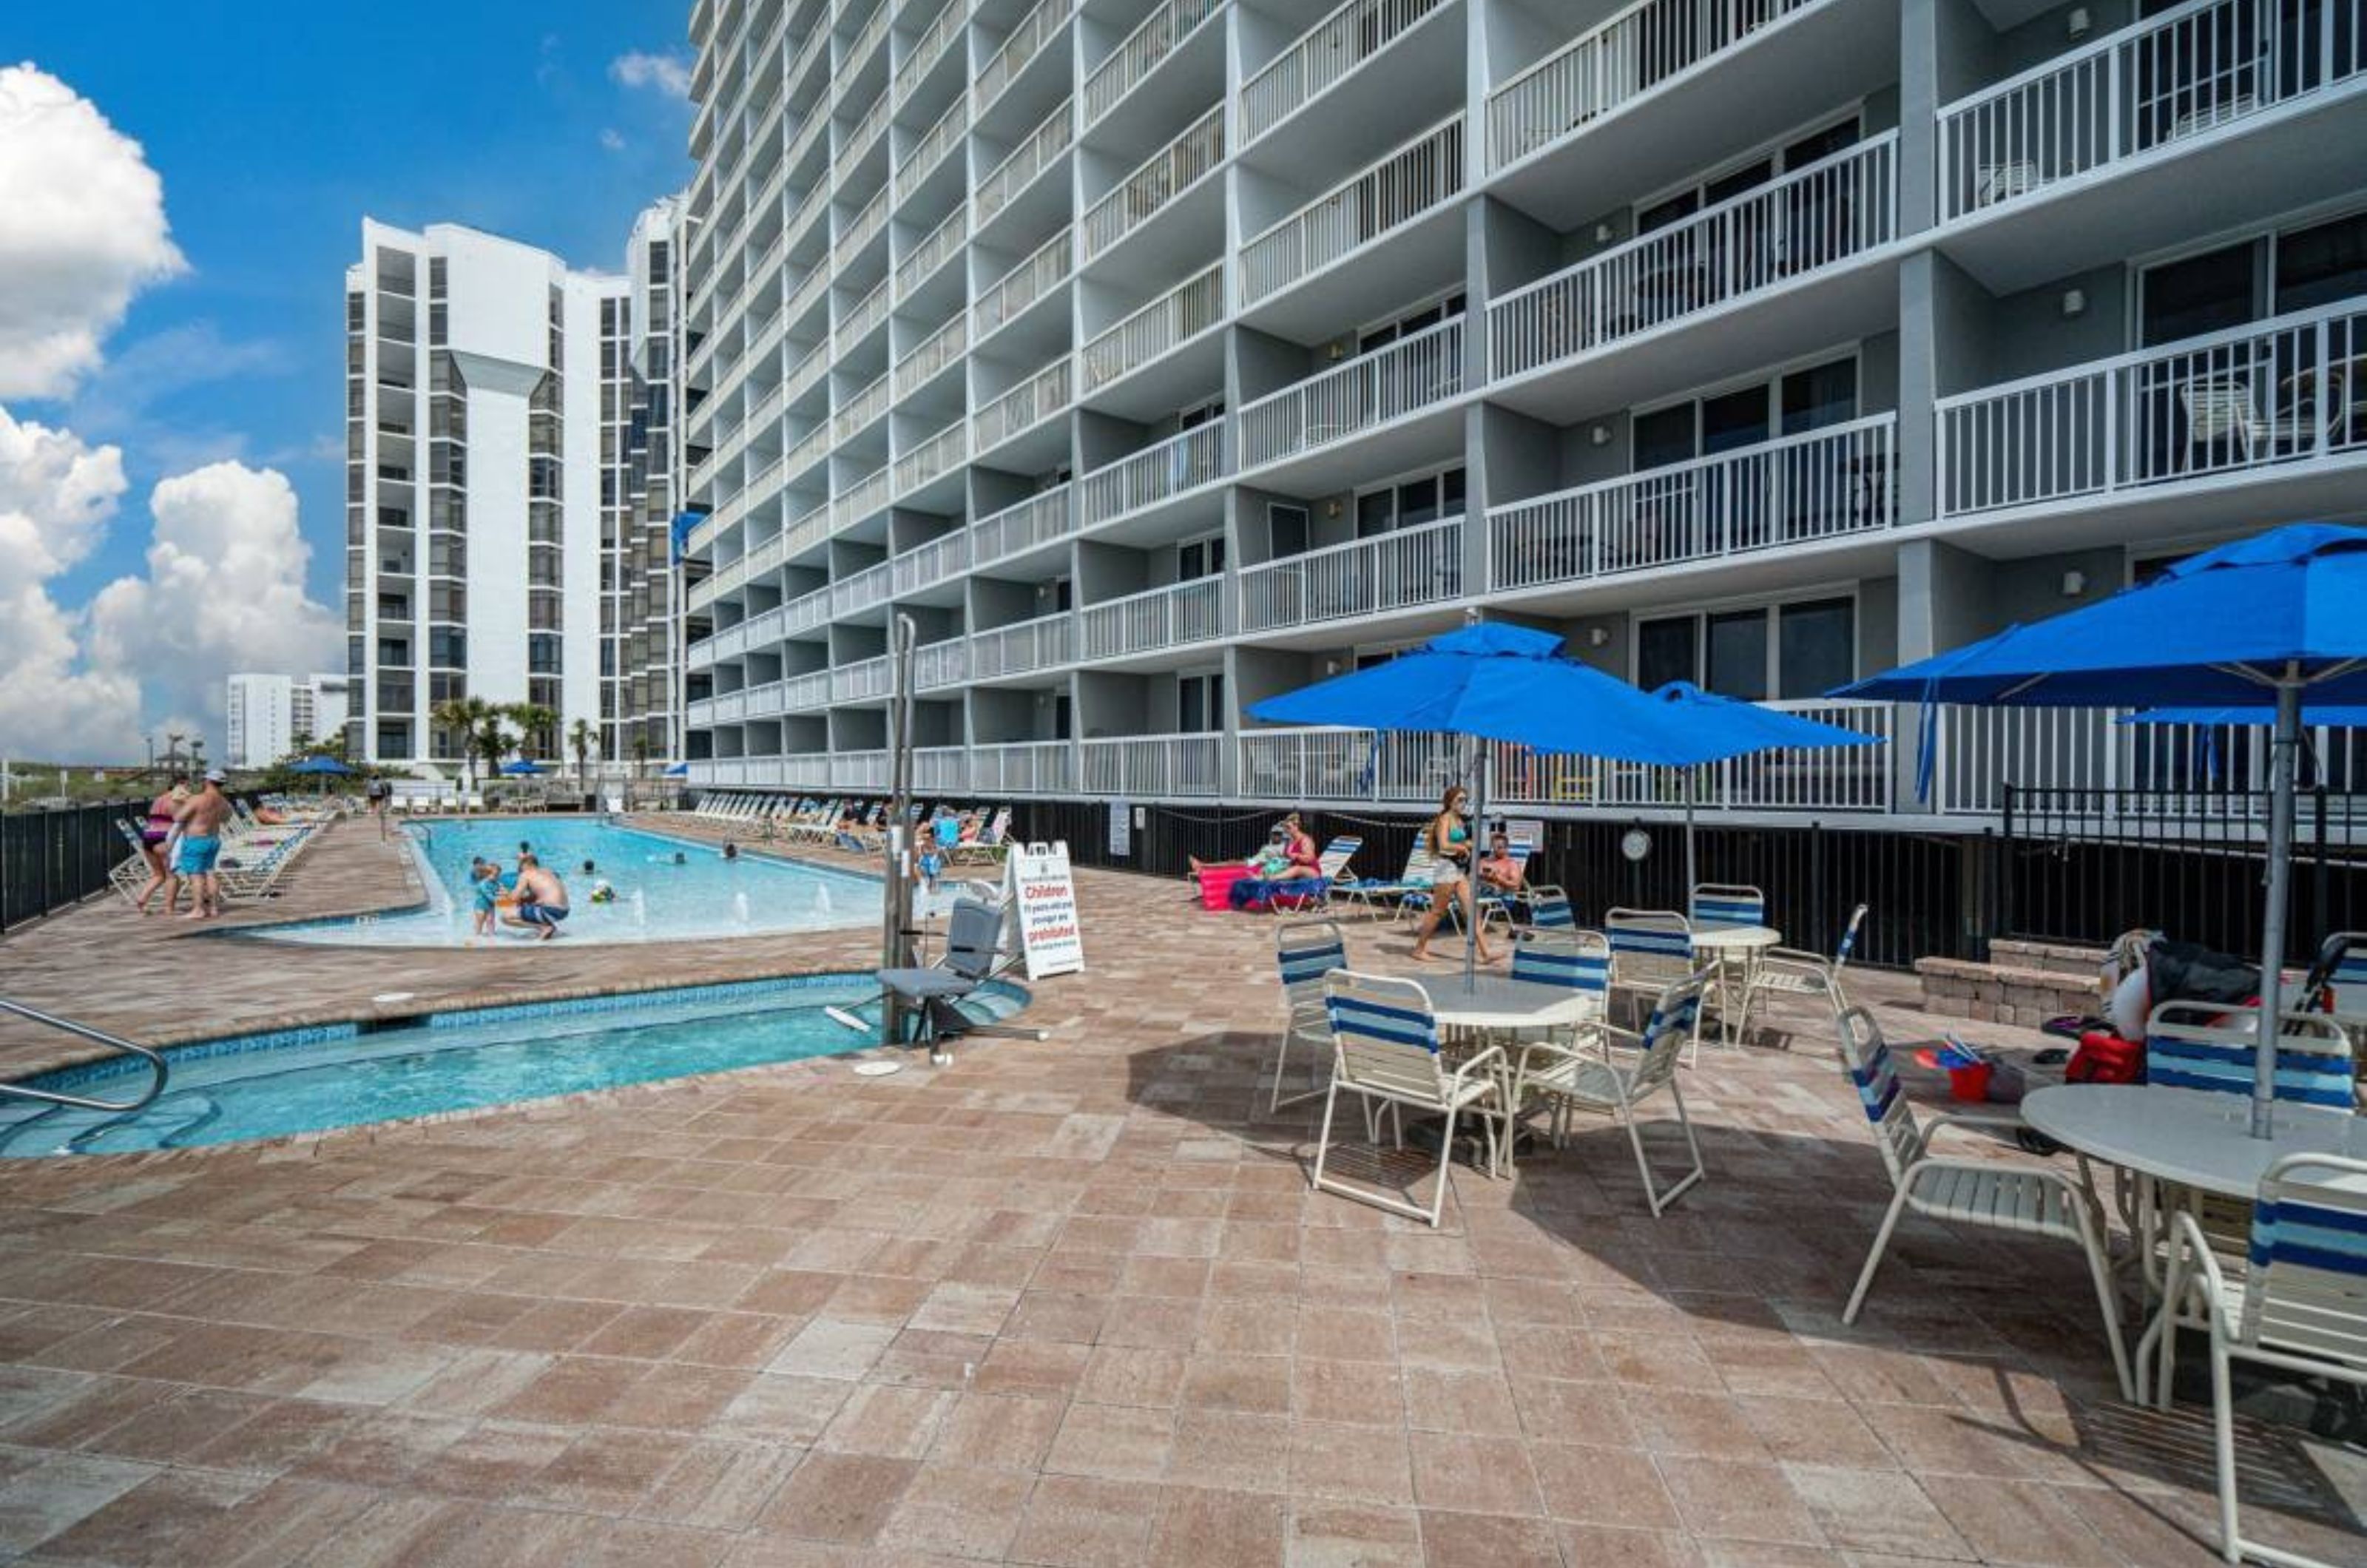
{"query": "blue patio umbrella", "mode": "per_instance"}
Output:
(2256, 625)
(525, 767)
(1713, 728)
(320, 765)
(679, 771)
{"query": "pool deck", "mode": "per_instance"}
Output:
(1064, 1303)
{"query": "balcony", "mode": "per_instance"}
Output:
(930, 151)
(1157, 474)
(935, 353)
(1399, 570)
(940, 770)
(943, 663)
(859, 770)
(1324, 56)
(865, 498)
(942, 245)
(931, 47)
(940, 561)
(1008, 297)
(804, 693)
(1026, 767)
(865, 228)
(1004, 183)
(1019, 49)
(2184, 434)
(863, 138)
(860, 681)
(861, 318)
(1022, 407)
(1417, 180)
(863, 590)
(1160, 180)
(1802, 490)
(1144, 50)
(1028, 646)
(1147, 622)
(1039, 521)
(1150, 333)
(940, 453)
(1812, 238)
(863, 408)
(1369, 392)
(1153, 767)
(2211, 117)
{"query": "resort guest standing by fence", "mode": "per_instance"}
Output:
(1449, 837)
(156, 845)
(201, 819)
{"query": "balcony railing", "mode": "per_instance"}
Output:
(941, 769)
(942, 243)
(1157, 181)
(1364, 577)
(1027, 645)
(943, 663)
(865, 314)
(1162, 617)
(874, 584)
(1024, 407)
(1416, 178)
(931, 47)
(1324, 55)
(2290, 389)
(868, 495)
(855, 683)
(863, 408)
(1017, 50)
(940, 559)
(1041, 519)
(863, 231)
(941, 139)
(1814, 218)
(1153, 41)
(1409, 375)
(940, 453)
(1153, 475)
(1159, 328)
(858, 54)
(1024, 284)
(802, 694)
(1026, 767)
(1026, 161)
(936, 351)
(859, 140)
(1610, 66)
(1820, 485)
(2145, 89)
(1152, 766)
(859, 770)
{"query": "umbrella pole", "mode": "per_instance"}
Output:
(2284, 743)
(1692, 878)
(1471, 872)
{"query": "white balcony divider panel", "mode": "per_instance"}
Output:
(943, 663)
(865, 497)
(2146, 89)
(866, 678)
(1039, 520)
(1817, 217)
(1324, 56)
(2278, 392)
(1150, 766)
(940, 453)
(1166, 324)
(1024, 407)
(940, 769)
(1024, 284)
(1364, 577)
(1029, 159)
(936, 351)
(1026, 767)
(1028, 646)
(1158, 618)
(1169, 24)
(940, 559)
(1612, 64)
(1019, 49)
(1819, 485)
(931, 149)
(934, 252)
(1157, 181)
(1370, 390)
(1156, 473)
(1399, 187)
(930, 46)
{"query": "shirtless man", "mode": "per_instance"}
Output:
(541, 899)
(201, 819)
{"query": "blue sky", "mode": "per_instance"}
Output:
(276, 125)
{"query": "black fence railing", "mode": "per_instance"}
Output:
(51, 859)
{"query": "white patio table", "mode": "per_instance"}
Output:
(1734, 949)
(1498, 1004)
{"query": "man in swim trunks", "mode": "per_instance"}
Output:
(541, 899)
(201, 819)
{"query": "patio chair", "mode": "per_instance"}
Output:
(129, 876)
(1385, 1051)
(2014, 1196)
(1573, 1077)
(2343, 957)
(2302, 1309)
(1415, 878)
(1783, 972)
(973, 942)
(1308, 951)
(2211, 1046)
(1578, 960)
(2218, 410)
(1650, 951)
(1298, 895)
(1549, 910)
(989, 847)
(1714, 905)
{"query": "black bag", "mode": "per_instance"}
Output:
(2189, 971)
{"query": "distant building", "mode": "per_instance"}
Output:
(268, 714)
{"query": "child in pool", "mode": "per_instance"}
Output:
(487, 878)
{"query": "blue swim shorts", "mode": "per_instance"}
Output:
(541, 914)
(198, 856)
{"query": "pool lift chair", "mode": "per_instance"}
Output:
(932, 992)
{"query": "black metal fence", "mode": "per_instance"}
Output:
(51, 859)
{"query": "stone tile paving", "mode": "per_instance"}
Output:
(1060, 1303)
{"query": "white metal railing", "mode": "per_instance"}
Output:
(811, 769)
(811, 368)
(1150, 766)
(1395, 190)
(1024, 407)
(1153, 475)
(1369, 390)
(858, 770)
(807, 610)
(1819, 485)
(699, 712)
(931, 47)
(1610, 66)
(942, 558)
(1029, 159)
(858, 54)
(866, 496)
(1026, 767)
(942, 243)
(1167, 26)
(2146, 89)
(1324, 56)
(943, 663)
(940, 453)
(2279, 391)
(802, 299)
(863, 229)
(939, 139)
(861, 317)
(936, 351)
(941, 769)
(1362, 577)
(801, 692)
(1024, 284)
(866, 678)
(1815, 217)
(863, 407)
(1165, 325)
(1019, 48)
(859, 140)
(874, 584)
(1042, 519)
(731, 706)
(1160, 617)
(1027, 645)
(1155, 182)
(810, 448)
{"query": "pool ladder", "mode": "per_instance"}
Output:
(98, 1036)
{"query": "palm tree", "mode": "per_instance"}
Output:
(464, 717)
(541, 725)
(641, 750)
(579, 741)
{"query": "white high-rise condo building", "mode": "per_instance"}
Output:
(640, 698)
(264, 715)
(1155, 357)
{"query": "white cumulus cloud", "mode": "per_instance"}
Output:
(56, 497)
(668, 74)
(82, 226)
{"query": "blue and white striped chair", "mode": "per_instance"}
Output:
(1385, 1050)
(1549, 910)
(1577, 960)
(2347, 982)
(2014, 1196)
(2302, 1306)
(1650, 951)
(2210, 1047)
(1720, 905)
(1308, 951)
(1575, 1077)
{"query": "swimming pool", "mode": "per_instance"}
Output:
(657, 900)
(343, 1075)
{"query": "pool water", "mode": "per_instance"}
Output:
(656, 901)
(310, 1080)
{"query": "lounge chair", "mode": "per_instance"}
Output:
(989, 847)
(1586, 1076)
(129, 876)
(1385, 1051)
(1416, 877)
(1300, 894)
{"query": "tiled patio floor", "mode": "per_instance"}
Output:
(1064, 1303)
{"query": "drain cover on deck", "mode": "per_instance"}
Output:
(877, 1069)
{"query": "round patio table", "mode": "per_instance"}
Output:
(1732, 948)
(1497, 1003)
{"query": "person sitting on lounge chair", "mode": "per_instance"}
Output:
(1501, 870)
(1289, 853)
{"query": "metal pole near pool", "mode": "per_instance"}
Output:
(896, 905)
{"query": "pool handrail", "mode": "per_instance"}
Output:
(99, 1036)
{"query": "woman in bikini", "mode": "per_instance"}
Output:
(1449, 837)
(155, 834)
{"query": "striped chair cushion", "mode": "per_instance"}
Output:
(2287, 1229)
(1723, 912)
(2307, 1078)
(1877, 1084)
(2350, 983)
(1650, 941)
(1547, 966)
(1679, 1019)
(1553, 914)
(1361, 1019)
(1307, 965)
